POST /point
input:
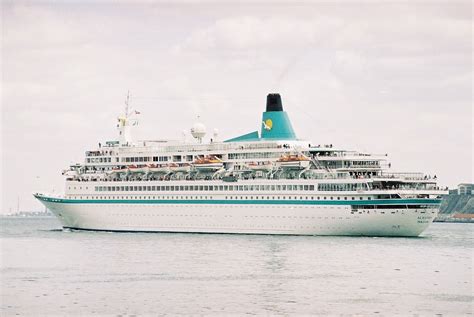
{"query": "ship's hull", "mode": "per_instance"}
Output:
(242, 217)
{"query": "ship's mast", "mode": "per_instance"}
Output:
(125, 123)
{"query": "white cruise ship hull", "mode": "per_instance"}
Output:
(243, 218)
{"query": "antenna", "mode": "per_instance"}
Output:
(127, 104)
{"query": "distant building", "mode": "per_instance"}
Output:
(466, 189)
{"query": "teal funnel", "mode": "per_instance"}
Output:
(276, 124)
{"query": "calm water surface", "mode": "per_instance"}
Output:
(48, 272)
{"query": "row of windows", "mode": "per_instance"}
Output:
(364, 163)
(205, 188)
(99, 160)
(342, 187)
(226, 197)
(235, 156)
(175, 158)
(356, 207)
(137, 159)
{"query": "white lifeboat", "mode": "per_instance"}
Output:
(260, 166)
(119, 170)
(137, 169)
(180, 168)
(158, 168)
(293, 162)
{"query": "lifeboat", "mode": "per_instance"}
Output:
(208, 164)
(158, 168)
(260, 166)
(295, 162)
(119, 170)
(180, 168)
(137, 169)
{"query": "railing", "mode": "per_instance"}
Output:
(406, 176)
(218, 146)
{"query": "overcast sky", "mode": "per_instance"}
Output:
(385, 77)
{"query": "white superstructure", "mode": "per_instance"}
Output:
(261, 183)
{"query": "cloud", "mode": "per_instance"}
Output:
(375, 76)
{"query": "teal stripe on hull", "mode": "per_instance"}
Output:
(243, 201)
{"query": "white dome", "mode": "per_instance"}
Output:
(198, 130)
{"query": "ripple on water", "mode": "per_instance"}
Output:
(66, 273)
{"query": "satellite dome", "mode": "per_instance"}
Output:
(198, 131)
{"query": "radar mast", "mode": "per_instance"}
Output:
(125, 122)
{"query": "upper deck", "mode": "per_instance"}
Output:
(273, 154)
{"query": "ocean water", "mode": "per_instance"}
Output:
(49, 272)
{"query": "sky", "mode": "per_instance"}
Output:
(379, 76)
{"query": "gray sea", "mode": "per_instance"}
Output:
(49, 272)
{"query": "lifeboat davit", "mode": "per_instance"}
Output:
(293, 162)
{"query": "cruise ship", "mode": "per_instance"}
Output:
(264, 182)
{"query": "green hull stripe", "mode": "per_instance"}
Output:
(242, 202)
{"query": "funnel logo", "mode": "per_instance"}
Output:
(268, 124)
